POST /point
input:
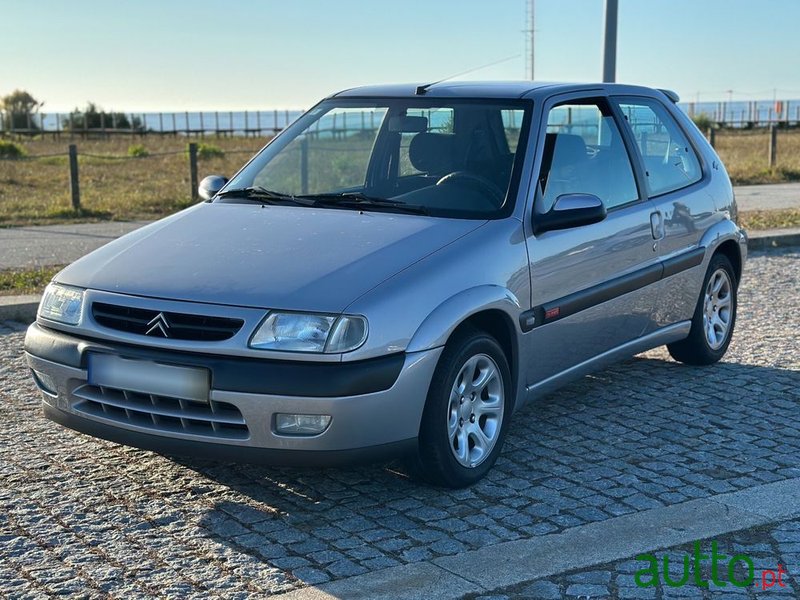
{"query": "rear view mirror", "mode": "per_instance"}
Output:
(404, 124)
(571, 210)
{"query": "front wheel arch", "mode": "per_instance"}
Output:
(489, 308)
(435, 460)
(500, 326)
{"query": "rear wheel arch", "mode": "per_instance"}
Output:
(730, 249)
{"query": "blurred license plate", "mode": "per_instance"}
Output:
(148, 377)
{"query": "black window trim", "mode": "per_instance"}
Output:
(617, 99)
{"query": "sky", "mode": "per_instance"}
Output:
(177, 55)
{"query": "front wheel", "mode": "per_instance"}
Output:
(466, 413)
(714, 317)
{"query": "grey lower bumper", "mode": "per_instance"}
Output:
(362, 427)
(227, 452)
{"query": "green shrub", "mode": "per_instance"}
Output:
(138, 151)
(11, 150)
(703, 122)
(208, 151)
(93, 117)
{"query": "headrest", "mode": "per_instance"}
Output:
(568, 148)
(432, 152)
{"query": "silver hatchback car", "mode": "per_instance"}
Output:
(398, 272)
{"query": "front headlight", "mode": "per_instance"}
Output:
(303, 332)
(61, 303)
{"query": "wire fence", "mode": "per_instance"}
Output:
(187, 124)
(738, 114)
(45, 181)
(746, 114)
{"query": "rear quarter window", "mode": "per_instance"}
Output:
(670, 162)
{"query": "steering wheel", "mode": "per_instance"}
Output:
(475, 182)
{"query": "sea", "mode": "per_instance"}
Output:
(736, 114)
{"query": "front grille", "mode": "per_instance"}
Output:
(161, 413)
(179, 326)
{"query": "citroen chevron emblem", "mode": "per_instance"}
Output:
(158, 325)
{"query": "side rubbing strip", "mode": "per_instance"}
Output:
(578, 301)
(682, 262)
(569, 305)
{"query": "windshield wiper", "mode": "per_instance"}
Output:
(361, 200)
(263, 195)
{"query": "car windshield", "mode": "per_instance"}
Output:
(439, 157)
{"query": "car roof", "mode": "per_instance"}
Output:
(488, 89)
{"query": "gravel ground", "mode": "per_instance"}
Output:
(86, 516)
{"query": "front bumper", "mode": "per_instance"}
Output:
(379, 415)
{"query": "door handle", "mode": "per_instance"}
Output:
(657, 225)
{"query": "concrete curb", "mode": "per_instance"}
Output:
(19, 308)
(519, 561)
(773, 238)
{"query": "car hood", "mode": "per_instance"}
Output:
(281, 257)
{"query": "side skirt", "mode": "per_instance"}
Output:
(665, 335)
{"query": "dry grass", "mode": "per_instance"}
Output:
(26, 281)
(770, 219)
(36, 191)
(746, 156)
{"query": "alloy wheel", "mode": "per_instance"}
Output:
(475, 410)
(717, 308)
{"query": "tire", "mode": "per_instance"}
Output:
(463, 428)
(714, 317)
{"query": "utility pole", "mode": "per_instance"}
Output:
(532, 9)
(610, 42)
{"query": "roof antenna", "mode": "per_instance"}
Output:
(421, 89)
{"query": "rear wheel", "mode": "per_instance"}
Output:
(466, 412)
(714, 317)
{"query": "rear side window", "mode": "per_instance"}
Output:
(669, 160)
(584, 154)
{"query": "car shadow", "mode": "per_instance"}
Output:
(644, 433)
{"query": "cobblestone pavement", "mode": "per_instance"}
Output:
(84, 515)
(768, 548)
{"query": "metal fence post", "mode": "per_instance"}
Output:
(73, 177)
(712, 136)
(304, 165)
(193, 169)
(773, 145)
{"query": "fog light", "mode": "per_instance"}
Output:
(45, 383)
(301, 424)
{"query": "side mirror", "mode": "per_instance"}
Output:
(210, 185)
(571, 210)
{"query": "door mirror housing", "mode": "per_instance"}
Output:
(210, 185)
(571, 210)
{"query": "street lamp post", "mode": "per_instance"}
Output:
(610, 42)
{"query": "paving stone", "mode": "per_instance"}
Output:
(545, 590)
(587, 590)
